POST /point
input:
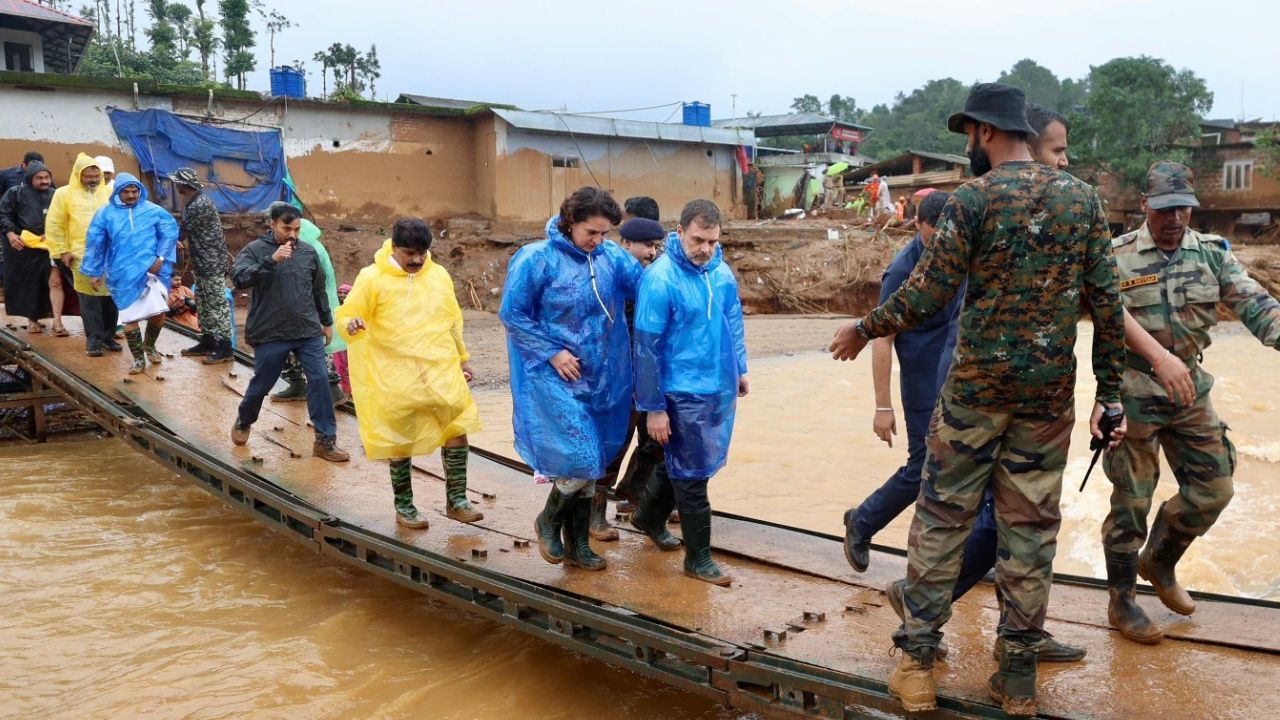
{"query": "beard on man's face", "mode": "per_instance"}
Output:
(979, 161)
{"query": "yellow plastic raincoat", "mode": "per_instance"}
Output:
(406, 365)
(67, 221)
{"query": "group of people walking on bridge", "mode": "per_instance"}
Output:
(609, 340)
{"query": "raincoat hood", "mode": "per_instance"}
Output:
(559, 241)
(82, 161)
(124, 180)
(34, 167)
(675, 249)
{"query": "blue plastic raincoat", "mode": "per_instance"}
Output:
(558, 297)
(123, 242)
(690, 350)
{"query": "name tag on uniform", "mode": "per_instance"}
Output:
(1139, 281)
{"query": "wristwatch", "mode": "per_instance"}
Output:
(861, 329)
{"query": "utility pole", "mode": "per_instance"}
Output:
(734, 112)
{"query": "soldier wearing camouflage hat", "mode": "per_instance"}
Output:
(1171, 280)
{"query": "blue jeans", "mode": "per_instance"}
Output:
(899, 492)
(268, 361)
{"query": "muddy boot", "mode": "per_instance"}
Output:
(912, 683)
(577, 537)
(149, 344)
(134, 339)
(326, 448)
(894, 594)
(600, 528)
(1053, 649)
(654, 501)
(206, 346)
(1165, 546)
(455, 485)
(407, 514)
(857, 549)
(295, 392)
(696, 528)
(1123, 611)
(548, 523)
(222, 353)
(1014, 684)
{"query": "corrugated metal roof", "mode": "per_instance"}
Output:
(789, 124)
(436, 102)
(613, 127)
(35, 11)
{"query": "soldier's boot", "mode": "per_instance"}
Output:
(1123, 611)
(1053, 649)
(546, 526)
(857, 549)
(296, 391)
(222, 353)
(654, 501)
(894, 593)
(577, 536)
(600, 528)
(698, 563)
(1165, 546)
(457, 506)
(1014, 684)
(134, 340)
(149, 344)
(204, 347)
(407, 514)
(912, 682)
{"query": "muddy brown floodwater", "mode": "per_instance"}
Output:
(128, 592)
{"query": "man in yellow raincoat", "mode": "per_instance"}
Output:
(409, 369)
(66, 225)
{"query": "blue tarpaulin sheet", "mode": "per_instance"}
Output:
(163, 142)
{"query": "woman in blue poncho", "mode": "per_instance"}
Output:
(570, 355)
(133, 243)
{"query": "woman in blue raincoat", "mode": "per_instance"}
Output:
(570, 352)
(130, 241)
(691, 368)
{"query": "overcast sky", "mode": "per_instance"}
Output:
(619, 55)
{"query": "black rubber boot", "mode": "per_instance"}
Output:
(696, 528)
(548, 523)
(600, 528)
(206, 346)
(857, 549)
(295, 392)
(654, 502)
(1014, 684)
(1165, 546)
(577, 537)
(1123, 611)
(222, 353)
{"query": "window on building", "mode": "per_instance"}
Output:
(17, 57)
(1237, 175)
(564, 161)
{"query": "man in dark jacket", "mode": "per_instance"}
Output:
(26, 256)
(12, 176)
(289, 312)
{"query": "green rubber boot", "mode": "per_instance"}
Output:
(577, 536)
(547, 526)
(407, 513)
(455, 485)
(654, 502)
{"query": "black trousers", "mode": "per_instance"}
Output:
(99, 314)
(691, 496)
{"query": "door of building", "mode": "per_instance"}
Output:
(566, 177)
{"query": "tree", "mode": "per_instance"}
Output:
(202, 34)
(322, 57)
(807, 104)
(1038, 83)
(237, 40)
(917, 121)
(370, 69)
(275, 23)
(1139, 110)
(161, 33)
(180, 17)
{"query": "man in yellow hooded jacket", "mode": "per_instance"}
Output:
(409, 369)
(66, 225)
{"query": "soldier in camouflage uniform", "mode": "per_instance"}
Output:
(1033, 241)
(207, 248)
(1172, 279)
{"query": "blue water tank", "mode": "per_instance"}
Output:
(289, 82)
(697, 113)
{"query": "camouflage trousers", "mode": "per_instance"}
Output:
(293, 373)
(1202, 458)
(1021, 457)
(211, 306)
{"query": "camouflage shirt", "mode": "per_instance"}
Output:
(1175, 298)
(1034, 243)
(206, 244)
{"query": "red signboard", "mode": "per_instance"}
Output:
(846, 134)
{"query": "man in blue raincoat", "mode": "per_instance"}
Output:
(130, 241)
(691, 368)
(570, 352)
